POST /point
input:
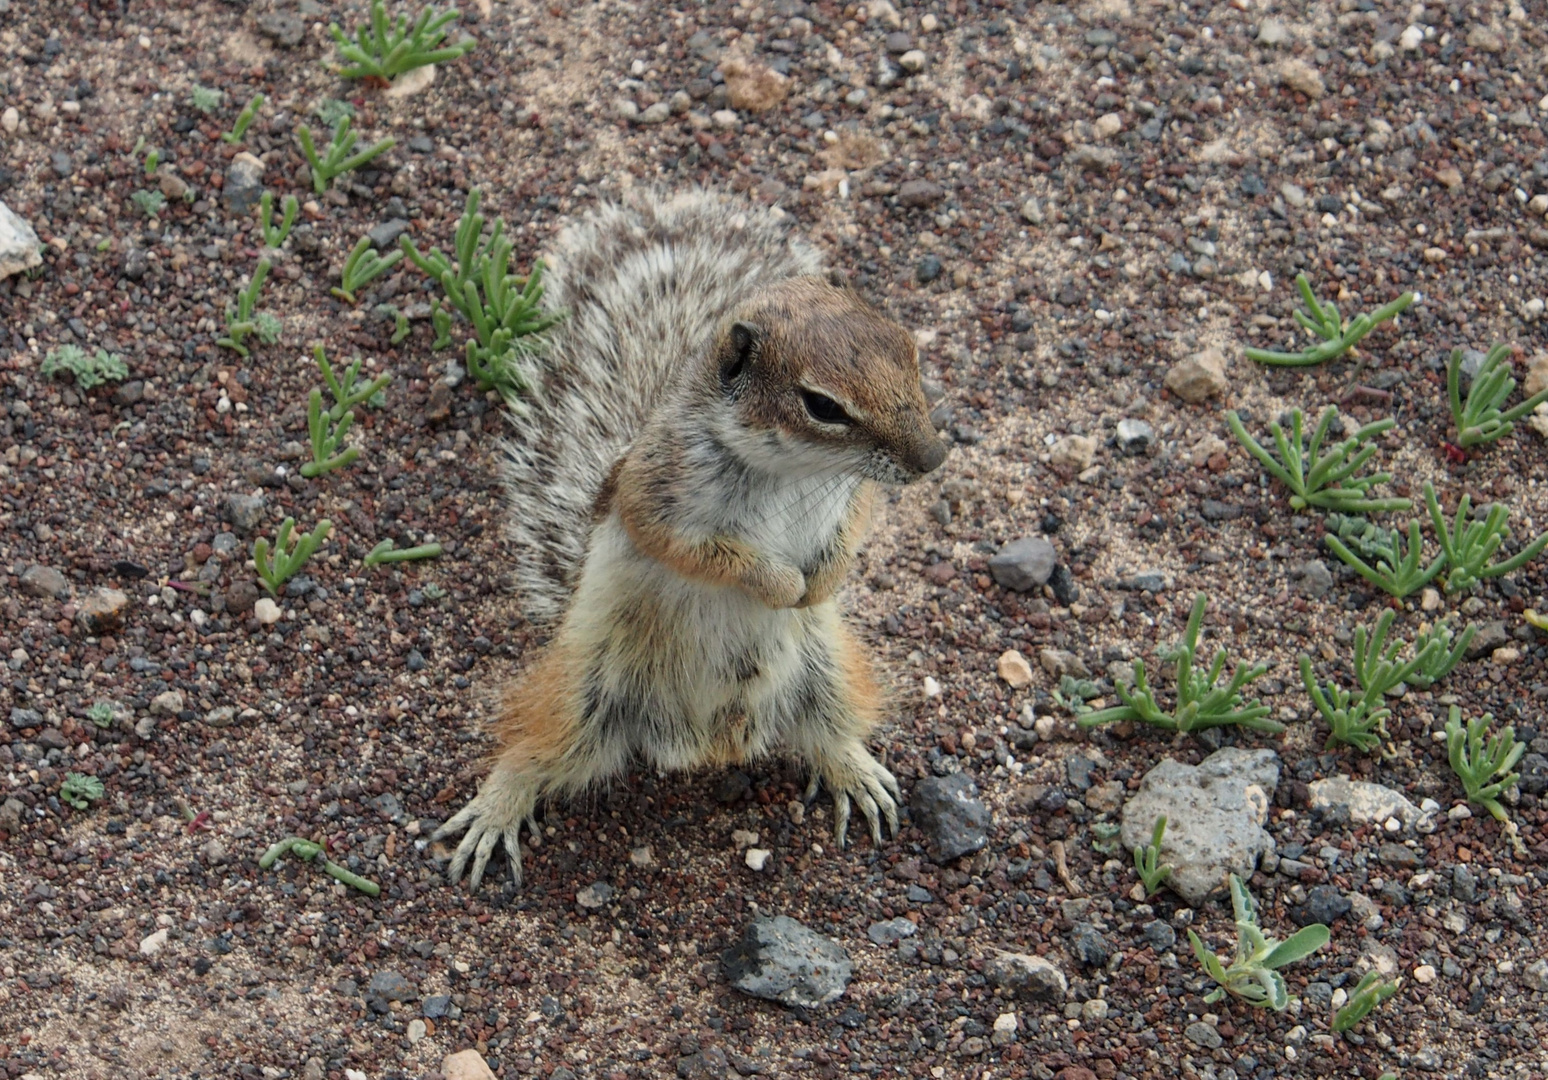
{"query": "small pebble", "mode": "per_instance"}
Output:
(1014, 669)
(757, 858)
(266, 611)
(1424, 974)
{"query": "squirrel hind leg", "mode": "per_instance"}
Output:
(839, 703)
(505, 802)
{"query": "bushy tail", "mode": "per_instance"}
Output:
(644, 286)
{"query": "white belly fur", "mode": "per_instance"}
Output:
(688, 645)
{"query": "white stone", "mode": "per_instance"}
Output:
(266, 611)
(1538, 204)
(642, 857)
(10, 120)
(412, 82)
(1014, 669)
(18, 244)
(1044, 726)
(1411, 38)
(1424, 974)
(928, 24)
(153, 943)
(466, 1065)
(757, 858)
(932, 689)
(1108, 125)
(912, 61)
(1006, 1022)
(416, 1030)
(1368, 803)
(743, 838)
(725, 118)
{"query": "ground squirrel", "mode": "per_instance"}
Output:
(688, 486)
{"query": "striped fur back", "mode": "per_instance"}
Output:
(645, 285)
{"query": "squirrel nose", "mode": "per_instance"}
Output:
(928, 456)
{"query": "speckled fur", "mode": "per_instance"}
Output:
(687, 495)
(645, 285)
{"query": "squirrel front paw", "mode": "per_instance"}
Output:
(777, 584)
(505, 801)
(854, 776)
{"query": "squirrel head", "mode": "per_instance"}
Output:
(809, 371)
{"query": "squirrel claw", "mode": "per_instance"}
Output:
(860, 779)
(485, 830)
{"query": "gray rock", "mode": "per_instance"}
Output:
(1159, 935)
(285, 31)
(1088, 945)
(1316, 579)
(388, 986)
(245, 512)
(11, 816)
(778, 959)
(1092, 158)
(1215, 510)
(1031, 978)
(45, 581)
(928, 270)
(659, 113)
(1534, 774)
(594, 896)
(102, 612)
(385, 236)
(1324, 904)
(920, 193)
(1367, 803)
(244, 183)
(1151, 581)
(1215, 813)
(1491, 635)
(18, 244)
(1023, 564)
(891, 932)
(1535, 976)
(1464, 886)
(954, 821)
(1134, 436)
(1202, 1034)
(225, 543)
(1404, 858)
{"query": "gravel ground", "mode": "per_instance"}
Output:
(1065, 199)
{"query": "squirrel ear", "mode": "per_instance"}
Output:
(745, 338)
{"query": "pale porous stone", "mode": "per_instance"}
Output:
(1026, 976)
(1014, 669)
(1368, 803)
(18, 244)
(1299, 75)
(466, 1065)
(1072, 454)
(752, 86)
(1199, 377)
(1215, 813)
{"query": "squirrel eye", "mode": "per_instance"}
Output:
(824, 409)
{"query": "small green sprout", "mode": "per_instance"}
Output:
(1201, 703)
(1322, 320)
(206, 100)
(1318, 479)
(363, 266)
(1397, 571)
(326, 435)
(1439, 653)
(1253, 974)
(1072, 694)
(101, 714)
(331, 110)
(152, 160)
(1477, 763)
(433, 592)
(336, 160)
(289, 555)
(1146, 858)
(268, 327)
(150, 203)
(1479, 419)
(239, 319)
(89, 371)
(307, 851)
(1467, 547)
(400, 327)
(1371, 992)
(1358, 722)
(385, 50)
(508, 319)
(80, 790)
(272, 237)
(385, 552)
(244, 120)
(440, 319)
(346, 395)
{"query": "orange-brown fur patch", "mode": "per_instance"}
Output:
(539, 711)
